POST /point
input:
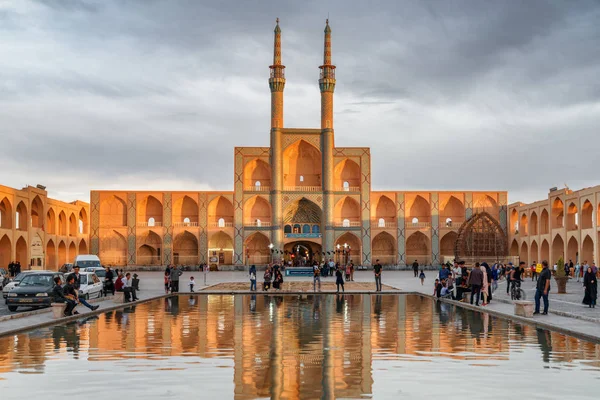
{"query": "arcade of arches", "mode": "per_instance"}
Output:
(563, 225)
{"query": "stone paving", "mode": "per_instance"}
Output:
(296, 286)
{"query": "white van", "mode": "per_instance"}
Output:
(84, 261)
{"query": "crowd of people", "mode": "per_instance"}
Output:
(14, 268)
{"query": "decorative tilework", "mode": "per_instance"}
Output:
(131, 232)
(95, 225)
(168, 226)
(435, 229)
(503, 211)
(238, 206)
(400, 205)
(203, 225)
(289, 139)
(290, 198)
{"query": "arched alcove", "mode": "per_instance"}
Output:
(149, 207)
(533, 251)
(587, 215)
(347, 209)
(523, 225)
(533, 224)
(185, 211)
(113, 248)
(452, 211)
(113, 212)
(5, 250)
(448, 243)
(257, 212)
(50, 222)
(21, 251)
(558, 214)
(185, 249)
(354, 247)
(6, 214)
(62, 224)
(256, 249)
(149, 249)
(72, 225)
(37, 212)
(385, 212)
(301, 159)
(544, 222)
(418, 247)
(220, 208)
(419, 208)
(257, 175)
(558, 249)
(383, 248)
(346, 175)
(524, 255)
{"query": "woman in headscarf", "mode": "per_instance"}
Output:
(485, 287)
(590, 283)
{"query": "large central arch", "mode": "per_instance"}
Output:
(384, 248)
(301, 165)
(481, 238)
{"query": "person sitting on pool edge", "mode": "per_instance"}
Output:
(58, 296)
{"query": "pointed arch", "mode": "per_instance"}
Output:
(572, 217)
(149, 249)
(113, 212)
(6, 219)
(62, 253)
(83, 222)
(524, 255)
(558, 214)
(587, 250)
(486, 203)
(481, 238)
(5, 250)
(51, 260)
(587, 215)
(256, 249)
(347, 209)
(418, 208)
(301, 160)
(354, 246)
(514, 248)
(302, 211)
(73, 225)
(572, 250)
(545, 251)
(418, 247)
(21, 218)
(72, 251)
(533, 224)
(257, 175)
(533, 252)
(386, 211)
(50, 221)
(185, 249)
(448, 243)
(523, 225)
(185, 211)
(454, 209)
(113, 248)
(83, 247)
(220, 207)
(21, 251)
(346, 175)
(544, 223)
(62, 224)
(383, 248)
(149, 207)
(257, 211)
(220, 244)
(558, 249)
(514, 221)
(37, 212)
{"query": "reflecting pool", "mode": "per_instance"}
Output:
(297, 347)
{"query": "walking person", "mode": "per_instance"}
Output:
(167, 279)
(590, 284)
(578, 270)
(475, 281)
(339, 279)
(174, 276)
(422, 277)
(316, 277)
(253, 278)
(415, 268)
(495, 274)
(543, 288)
(533, 271)
(377, 270)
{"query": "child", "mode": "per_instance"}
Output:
(192, 282)
(422, 277)
(167, 283)
(437, 288)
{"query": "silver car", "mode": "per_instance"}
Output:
(13, 283)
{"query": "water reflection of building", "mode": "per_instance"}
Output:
(290, 346)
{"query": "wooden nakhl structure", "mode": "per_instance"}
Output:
(481, 238)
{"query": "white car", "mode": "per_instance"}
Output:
(91, 286)
(13, 283)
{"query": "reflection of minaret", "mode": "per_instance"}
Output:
(327, 86)
(276, 84)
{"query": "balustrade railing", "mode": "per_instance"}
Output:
(302, 188)
(258, 224)
(410, 224)
(347, 224)
(348, 189)
(220, 224)
(383, 225)
(148, 224)
(257, 188)
(180, 224)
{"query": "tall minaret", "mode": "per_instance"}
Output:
(327, 86)
(276, 84)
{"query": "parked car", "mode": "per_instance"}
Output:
(14, 282)
(34, 290)
(84, 261)
(90, 285)
(101, 272)
(66, 268)
(4, 279)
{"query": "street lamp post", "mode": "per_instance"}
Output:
(337, 252)
(345, 254)
(271, 245)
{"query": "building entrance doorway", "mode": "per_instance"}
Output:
(302, 253)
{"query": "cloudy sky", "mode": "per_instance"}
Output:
(154, 94)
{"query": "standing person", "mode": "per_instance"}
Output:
(437, 288)
(205, 270)
(533, 271)
(488, 272)
(444, 273)
(339, 279)
(578, 270)
(495, 273)
(590, 284)
(109, 285)
(167, 279)
(422, 277)
(252, 273)
(191, 284)
(278, 280)
(543, 288)
(316, 277)
(456, 272)
(485, 284)
(415, 268)
(18, 267)
(377, 271)
(351, 271)
(10, 269)
(174, 277)
(507, 274)
(476, 281)
(347, 272)
(594, 268)
(331, 267)
(77, 285)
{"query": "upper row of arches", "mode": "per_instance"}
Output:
(22, 217)
(574, 219)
